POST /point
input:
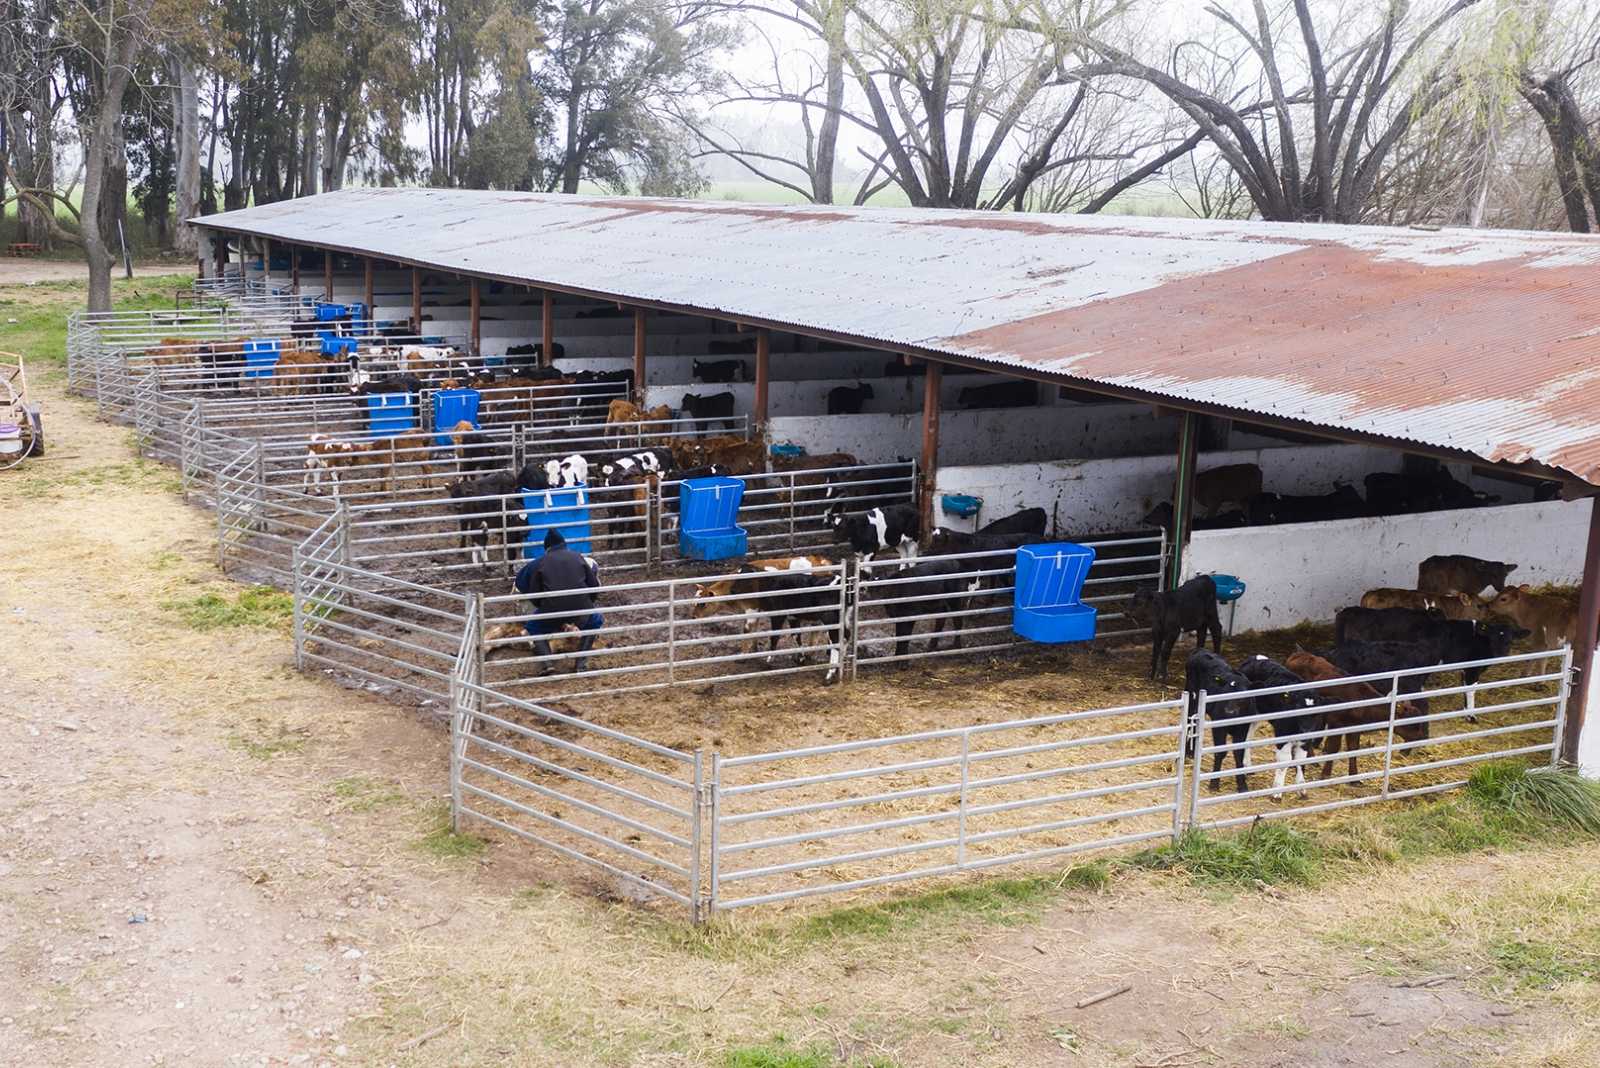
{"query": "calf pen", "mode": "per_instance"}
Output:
(714, 832)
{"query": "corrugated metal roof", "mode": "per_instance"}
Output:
(1481, 342)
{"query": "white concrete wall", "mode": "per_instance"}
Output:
(1308, 571)
(969, 437)
(1092, 495)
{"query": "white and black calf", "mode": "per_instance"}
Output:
(896, 527)
(626, 468)
(479, 519)
(1207, 672)
(1293, 714)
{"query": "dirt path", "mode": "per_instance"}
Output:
(21, 270)
(214, 860)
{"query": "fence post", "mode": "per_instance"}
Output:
(850, 576)
(848, 606)
(344, 534)
(1562, 689)
(456, 715)
(1199, 764)
(1177, 788)
(298, 592)
(672, 630)
(697, 897)
(961, 816)
(1388, 745)
(716, 831)
(792, 547)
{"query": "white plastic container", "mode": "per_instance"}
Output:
(10, 439)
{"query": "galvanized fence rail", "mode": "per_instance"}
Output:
(376, 628)
(833, 818)
(787, 509)
(627, 807)
(970, 605)
(1482, 727)
(673, 632)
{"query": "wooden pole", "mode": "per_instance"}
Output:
(294, 268)
(366, 286)
(327, 276)
(266, 261)
(638, 356)
(1183, 495)
(929, 470)
(219, 246)
(1583, 643)
(763, 378)
(416, 301)
(476, 317)
(547, 329)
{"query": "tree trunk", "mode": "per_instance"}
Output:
(186, 131)
(102, 148)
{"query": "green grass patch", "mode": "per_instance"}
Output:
(1268, 853)
(40, 309)
(1093, 875)
(440, 841)
(257, 606)
(781, 1053)
(1002, 901)
(1543, 797)
(361, 793)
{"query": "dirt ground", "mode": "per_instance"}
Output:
(213, 860)
(20, 270)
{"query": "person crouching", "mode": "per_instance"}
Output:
(570, 584)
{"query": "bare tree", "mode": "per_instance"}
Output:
(965, 104)
(1561, 83)
(1331, 102)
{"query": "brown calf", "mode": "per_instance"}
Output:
(1455, 605)
(1351, 722)
(739, 456)
(1552, 617)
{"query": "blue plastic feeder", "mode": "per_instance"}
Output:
(389, 414)
(709, 507)
(961, 505)
(328, 312)
(333, 345)
(452, 406)
(1229, 589)
(788, 450)
(566, 510)
(261, 358)
(1046, 604)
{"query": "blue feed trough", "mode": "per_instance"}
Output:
(452, 406)
(1047, 603)
(566, 510)
(1229, 588)
(708, 507)
(389, 414)
(962, 505)
(788, 450)
(328, 312)
(333, 345)
(261, 358)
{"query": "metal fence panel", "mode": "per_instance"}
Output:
(833, 818)
(1424, 732)
(893, 601)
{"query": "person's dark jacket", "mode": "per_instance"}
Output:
(557, 571)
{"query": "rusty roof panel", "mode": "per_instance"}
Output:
(1484, 342)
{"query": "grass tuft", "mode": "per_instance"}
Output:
(1268, 853)
(780, 1053)
(258, 606)
(441, 841)
(1093, 875)
(1547, 797)
(1003, 901)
